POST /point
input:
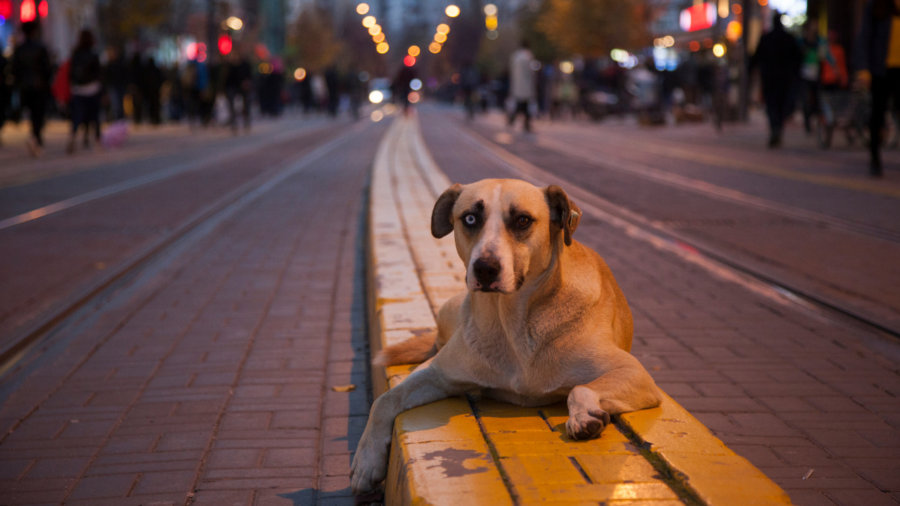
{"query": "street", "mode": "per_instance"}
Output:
(181, 318)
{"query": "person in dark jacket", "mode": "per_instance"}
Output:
(151, 86)
(31, 74)
(84, 80)
(238, 81)
(878, 61)
(778, 57)
(4, 92)
(116, 80)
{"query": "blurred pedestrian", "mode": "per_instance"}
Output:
(470, 78)
(116, 80)
(5, 92)
(135, 87)
(151, 85)
(401, 86)
(238, 82)
(521, 83)
(31, 74)
(85, 85)
(334, 92)
(878, 61)
(778, 58)
(812, 48)
(834, 64)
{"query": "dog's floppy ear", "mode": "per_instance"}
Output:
(442, 215)
(563, 212)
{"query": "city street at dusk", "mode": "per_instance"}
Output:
(269, 269)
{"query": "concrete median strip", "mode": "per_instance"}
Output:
(471, 451)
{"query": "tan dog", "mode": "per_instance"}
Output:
(542, 320)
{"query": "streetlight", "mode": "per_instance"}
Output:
(452, 11)
(234, 23)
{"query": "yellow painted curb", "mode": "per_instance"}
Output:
(472, 452)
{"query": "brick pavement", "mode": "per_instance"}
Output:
(790, 391)
(48, 260)
(208, 381)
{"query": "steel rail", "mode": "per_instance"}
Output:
(712, 259)
(152, 177)
(197, 225)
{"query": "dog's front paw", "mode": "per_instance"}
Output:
(369, 467)
(584, 425)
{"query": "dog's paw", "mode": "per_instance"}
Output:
(586, 425)
(369, 467)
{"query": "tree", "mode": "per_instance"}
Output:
(123, 20)
(593, 27)
(311, 41)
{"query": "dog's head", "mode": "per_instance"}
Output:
(505, 229)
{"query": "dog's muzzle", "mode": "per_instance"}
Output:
(486, 271)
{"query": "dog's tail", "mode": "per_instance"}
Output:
(412, 351)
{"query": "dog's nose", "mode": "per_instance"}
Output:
(486, 270)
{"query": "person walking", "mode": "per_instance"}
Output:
(878, 61)
(4, 92)
(84, 80)
(521, 83)
(31, 75)
(778, 57)
(116, 79)
(238, 81)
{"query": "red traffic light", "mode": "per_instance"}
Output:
(225, 44)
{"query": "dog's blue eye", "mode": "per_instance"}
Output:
(470, 219)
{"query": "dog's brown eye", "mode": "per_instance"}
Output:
(523, 222)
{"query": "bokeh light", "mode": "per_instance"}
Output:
(362, 8)
(368, 21)
(382, 47)
(379, 37)
(377, 116)
(490, 10)
(415, 84)
(374, 30)
(719, 50)
(409, 61)
(414, 50)
(300, 74)
(413, 97)
(443, 28)
(567, 67)
(234, 23)
(440, 37)
(452, 11)
(376, 97)
(434, 47)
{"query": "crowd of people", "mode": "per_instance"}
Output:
(99, 91)
(793, 70)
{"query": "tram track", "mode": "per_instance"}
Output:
(713, 259)
(40, 333)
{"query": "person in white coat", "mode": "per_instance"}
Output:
(521, 83)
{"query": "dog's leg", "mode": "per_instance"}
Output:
(371, 461)
(628, 387)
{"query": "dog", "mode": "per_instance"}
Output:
(542, 319)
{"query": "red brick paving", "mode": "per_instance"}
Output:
(207, 380)
(786, 389)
